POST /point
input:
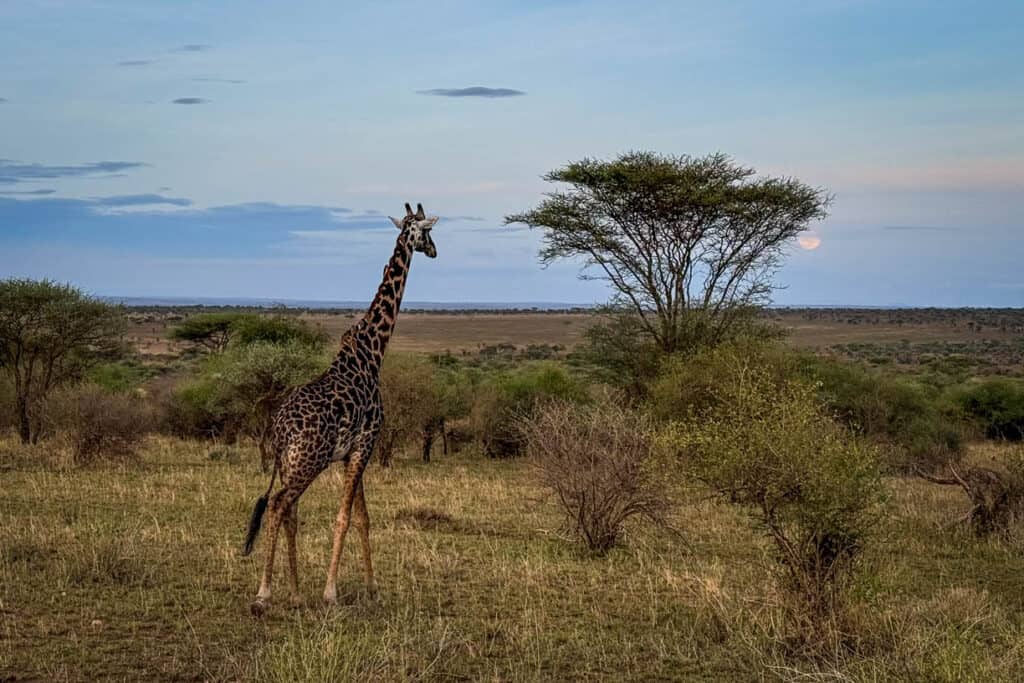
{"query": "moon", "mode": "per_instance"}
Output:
(809, 241)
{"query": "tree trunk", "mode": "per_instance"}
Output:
(24, 422)
(996, 502)
(428, 442)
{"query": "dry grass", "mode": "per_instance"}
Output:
(432, 332)
(132, 573)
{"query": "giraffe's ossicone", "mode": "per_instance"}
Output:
(336, 417)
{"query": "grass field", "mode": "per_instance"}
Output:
(431, 332)
(133, 573)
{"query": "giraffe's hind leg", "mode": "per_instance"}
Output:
(362, 520)
(353, 473)
(279, 505)
(291, 528)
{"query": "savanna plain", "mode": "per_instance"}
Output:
(129, 568)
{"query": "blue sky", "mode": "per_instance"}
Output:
(254, 149)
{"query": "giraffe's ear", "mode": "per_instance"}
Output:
(398, 223)
(408, 209)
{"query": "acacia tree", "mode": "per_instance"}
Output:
(216, 331)
(211, 331)
(49, 334)
(689, 245)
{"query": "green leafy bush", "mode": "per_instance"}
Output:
(619, 351)
(236, 392)
(217, 331)
(275, 329)
(119, 376)
(815, 490)
(996, 406)
(411, 396)
(910, 417)
(508, 397)
(194, 410)
(689, 384)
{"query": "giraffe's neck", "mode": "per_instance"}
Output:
(373, 332)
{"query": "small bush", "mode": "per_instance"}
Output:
(217, 331)
(906, 415)
(118, 376)
(689, 384)
(98, 424)
(997, 407)
(595, 460)
(621, 351)
(236, 392)
(410, 393)
(194, 410)
(813, 488)
(910, 418)
(275, 329)
(506, 399)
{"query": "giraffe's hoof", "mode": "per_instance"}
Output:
(330, 600)
(258, 608)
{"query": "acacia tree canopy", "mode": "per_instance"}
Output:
(688, 244)
(50, 333)
(216, 331)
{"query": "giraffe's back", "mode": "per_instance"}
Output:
(324, 416)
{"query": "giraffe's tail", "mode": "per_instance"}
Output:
(257, 515)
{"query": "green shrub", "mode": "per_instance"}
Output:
(118, 376)
(996, 406)
(619, 352)
(508, 397)
(410, 392)
(217, 331)
(908, 416)
(194, 410)
(96, 423)
(237, 391)
(688, 384)
(813, 488)
(275, 329)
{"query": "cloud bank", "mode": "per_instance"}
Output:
(141, 200)
(473, 91)
(15, 172)
(204, 79)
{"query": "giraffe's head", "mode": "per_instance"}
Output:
(417, 227)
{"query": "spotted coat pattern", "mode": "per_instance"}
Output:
(336, 418)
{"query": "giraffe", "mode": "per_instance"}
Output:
(336, 418)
